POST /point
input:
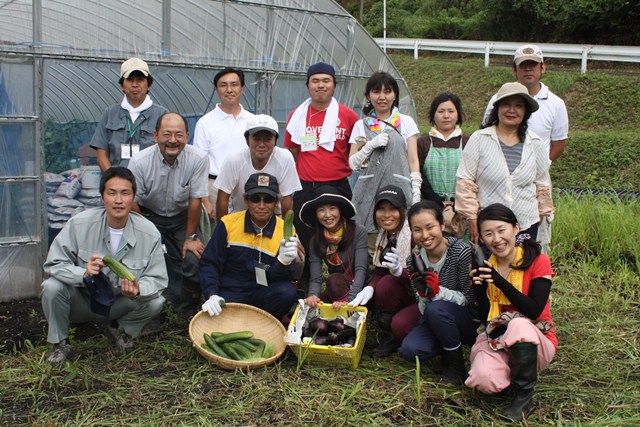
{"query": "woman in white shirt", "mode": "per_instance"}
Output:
(383, 149)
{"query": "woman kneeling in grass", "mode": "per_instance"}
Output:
(513, 297)
(446, 299)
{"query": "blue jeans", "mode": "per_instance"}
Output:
(443, 326)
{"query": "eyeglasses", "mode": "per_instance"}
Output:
(257, 198)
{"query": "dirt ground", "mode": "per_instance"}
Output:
(23, 320)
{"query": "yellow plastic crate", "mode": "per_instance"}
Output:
(331, 355)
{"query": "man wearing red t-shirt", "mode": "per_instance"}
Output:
(317, 135)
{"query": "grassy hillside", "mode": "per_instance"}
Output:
(604, 145)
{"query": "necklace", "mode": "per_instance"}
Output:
(445, 244)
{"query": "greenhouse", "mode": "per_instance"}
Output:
(59, 71)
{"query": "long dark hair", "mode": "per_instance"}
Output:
(348, 234)
(444, 97)
(377, 81)
(403, 214)
(493, 119)
(426, 205)
(499, 212)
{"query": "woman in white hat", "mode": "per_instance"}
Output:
(505, 163)
(339, 243)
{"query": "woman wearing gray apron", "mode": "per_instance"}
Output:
(383, 150)
(439, 154)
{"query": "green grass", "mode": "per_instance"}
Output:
(593, 381)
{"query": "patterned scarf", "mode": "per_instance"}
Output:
(374, 124)
(333, 240)
(496, 298)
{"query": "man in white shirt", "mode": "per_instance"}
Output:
(550, 122)
(260, 155)
(220, 132)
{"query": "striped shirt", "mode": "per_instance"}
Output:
(454, 273)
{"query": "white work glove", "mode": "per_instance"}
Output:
(363, 297)
(288, 250)
(416, 183)
(212, 305)
(356, 161)
(381, 140)
(392, 262)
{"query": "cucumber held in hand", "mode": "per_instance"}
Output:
(288, 225)
(118, 269)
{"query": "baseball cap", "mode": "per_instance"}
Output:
(528, 52)
(133, 64)
(321, 68)
(262, 183)
(515, 88)
(391, 194)
(261, 122)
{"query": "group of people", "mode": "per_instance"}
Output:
(403, 241)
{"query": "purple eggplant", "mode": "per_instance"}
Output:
(416, 261)
(477, 256)
(336, 325)
(326, 340)
(319, 327)
(345, 335)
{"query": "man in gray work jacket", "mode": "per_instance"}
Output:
(81, 289)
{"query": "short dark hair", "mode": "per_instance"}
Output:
(228, 70)
(493, 118)
(184, 119)
(444, 97)
(377, 81)
(117, 172)
(426, 205)
(137, 73)
(499, 212)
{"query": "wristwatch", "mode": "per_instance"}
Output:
(193, 237)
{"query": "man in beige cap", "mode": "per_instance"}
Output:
(128, 127)
(550, 122)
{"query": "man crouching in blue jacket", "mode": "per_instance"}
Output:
(247, 259)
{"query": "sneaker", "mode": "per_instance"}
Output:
(60, 353)
(123, 342)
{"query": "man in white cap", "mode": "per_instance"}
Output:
(260, 155)
(128, 127)
(550, 122)
(220, 132)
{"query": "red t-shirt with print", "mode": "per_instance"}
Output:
(322, 165)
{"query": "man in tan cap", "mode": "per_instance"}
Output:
(550, 122)
(128, 127)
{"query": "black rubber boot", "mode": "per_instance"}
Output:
(455, 372)
(388, 344)
(524, 375)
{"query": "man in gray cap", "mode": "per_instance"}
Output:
(248, 259)
(127, 128)
(318, 134)
(550, 122)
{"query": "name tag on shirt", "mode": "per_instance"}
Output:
(261, 274)
(128, 150)
(308, 143)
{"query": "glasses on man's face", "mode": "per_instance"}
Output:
(257, 198)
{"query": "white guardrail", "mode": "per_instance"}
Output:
(583, 53)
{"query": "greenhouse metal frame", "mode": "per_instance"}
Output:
(59, 71)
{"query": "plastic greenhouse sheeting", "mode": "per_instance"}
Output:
(71, 51)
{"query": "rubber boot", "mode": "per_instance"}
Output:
(455, 372)
(387, 342)
(524, 375)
